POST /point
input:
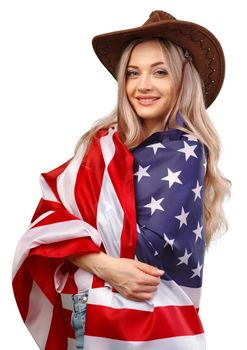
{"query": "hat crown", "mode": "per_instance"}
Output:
(159, 16)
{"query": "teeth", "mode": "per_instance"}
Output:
(147, 99)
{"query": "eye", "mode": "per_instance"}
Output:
(131, 73)
(161, 72)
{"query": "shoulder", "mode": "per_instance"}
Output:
(191, 140)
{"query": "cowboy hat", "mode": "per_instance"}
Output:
(202, 46)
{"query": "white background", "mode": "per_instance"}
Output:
(52, 88)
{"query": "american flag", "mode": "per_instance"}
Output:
(94, 202)
(169, 171)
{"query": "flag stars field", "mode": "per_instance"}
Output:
(182, 217)
(168, 241)
(169, 183)
(185, 258)
(197, 271)
(198, 231)
(188, 151)
(197, 191)
(154, 205)
(156, 146)
(191, 138)
(142, 172)
(172, 177)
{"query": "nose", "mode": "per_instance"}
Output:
(145, 83)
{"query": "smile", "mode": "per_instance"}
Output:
(146, 101)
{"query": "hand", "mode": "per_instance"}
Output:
(132, 279)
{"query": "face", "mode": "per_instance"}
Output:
(149, 85)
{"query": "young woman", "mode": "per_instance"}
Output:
(122, 227)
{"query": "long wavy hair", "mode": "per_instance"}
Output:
(188, 100)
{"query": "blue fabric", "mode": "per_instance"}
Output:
(169, 170)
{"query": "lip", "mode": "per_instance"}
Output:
(147, 100)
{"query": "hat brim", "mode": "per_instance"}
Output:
(204, 48)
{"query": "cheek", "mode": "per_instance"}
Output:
(168, 91)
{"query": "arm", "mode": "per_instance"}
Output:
(132, 279)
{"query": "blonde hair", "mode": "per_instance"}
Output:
(189, 102)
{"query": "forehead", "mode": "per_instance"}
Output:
(147, 52)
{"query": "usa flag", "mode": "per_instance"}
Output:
(169, 171)
(96, 202)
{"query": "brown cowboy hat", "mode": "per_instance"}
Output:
(203, 47)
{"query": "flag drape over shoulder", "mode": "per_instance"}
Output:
(88, 205)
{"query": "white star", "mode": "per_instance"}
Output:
(154, 205)
(155, 251)
(168, 241)
(198, 231)
(185, 258)
(182, 217)
(191, 138)
(142, 172)
(188, 151)
(197, 191)
(197, 271)
(172, 177)
(156, 146)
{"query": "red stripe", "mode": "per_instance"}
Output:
(54, 254)
(44, 206)
(89, 182)
(60, 215)
(66, 248)
(67, 319)
(51, 177)
(22, 286)
(123, 182)
(57, 338)
(137, 325)
(42, 271)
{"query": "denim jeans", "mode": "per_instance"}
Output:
(79, 317)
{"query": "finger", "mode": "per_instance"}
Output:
(149, 269)
(145, 289)
(142, 296)
(150, 280)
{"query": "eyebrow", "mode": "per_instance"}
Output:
(152, 65)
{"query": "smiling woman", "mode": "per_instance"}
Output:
(113, 258)
(149, 86)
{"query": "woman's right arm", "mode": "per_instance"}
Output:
(131, 278)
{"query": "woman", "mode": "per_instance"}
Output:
(123, 226)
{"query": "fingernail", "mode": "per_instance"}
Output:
(161, 271)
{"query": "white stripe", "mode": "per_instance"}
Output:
(109, 217)
(41, 217)
(40, 312)
(66, 182)
(60, 279)
(107, 146)
(109, 212)
(46, 190)
(167, 294)
(195, 342)
(103, 296)
(194, 294)
(50, 234)
(83, 280)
